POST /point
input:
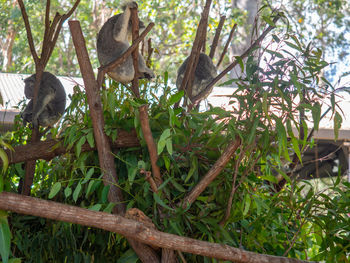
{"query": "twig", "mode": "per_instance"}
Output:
(213, 172)
(228, 42)
(216, 37)
(102, 70)
(233, 190)
(149, 179)
(151, 145)
(29, 32)
(150, 52)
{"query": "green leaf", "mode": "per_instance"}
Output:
(81, 141)
(175, 97)
(132, 171)
(166, 133)
(55, 189)
(166, 162)
(176, 228)
(194, 167)
(337, 124)
(5, 239)
(15, 260)
(67, 192)
(96, 207)
(276, 38)
(93, 184)
(270, 178)
(268, 21)
(282, 136)
(128, 257)
(296, 148)
(104, 194)
(5, 160)
(88, 175)
(293, 46)
(160, 146)
(253, 131)
(109, 208)
(90, 139)
(178, 186)
(240, 62)
(247, 202)
(77, 192)
(316, 115)
(169, 146)
(160, 201)
(284, 175)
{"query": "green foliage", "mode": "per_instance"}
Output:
(5, 237)
(267, 101)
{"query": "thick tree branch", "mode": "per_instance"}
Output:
(49, 149)
(135, 54)
(40, 64)
(212, 173)
(143, 251)
(93, 96)
(131, 229)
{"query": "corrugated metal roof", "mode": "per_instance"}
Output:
(11, 88)
(220, 98)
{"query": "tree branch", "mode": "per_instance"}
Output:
(94, 100)
(216, 37)
(228, 42)
(29, 32)
(212, 173)
(49, 149)
(151, 145)
(131, 229)
(192, 62)
(135, 54)
(144, 252)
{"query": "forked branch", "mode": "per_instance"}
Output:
(131, 229)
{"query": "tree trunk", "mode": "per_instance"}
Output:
(6, 50)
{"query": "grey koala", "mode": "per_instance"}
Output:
(113, 41)
(50, 104)
(205, 72)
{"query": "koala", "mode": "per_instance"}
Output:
(113, 41)
(50, 103)
(205, 72)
